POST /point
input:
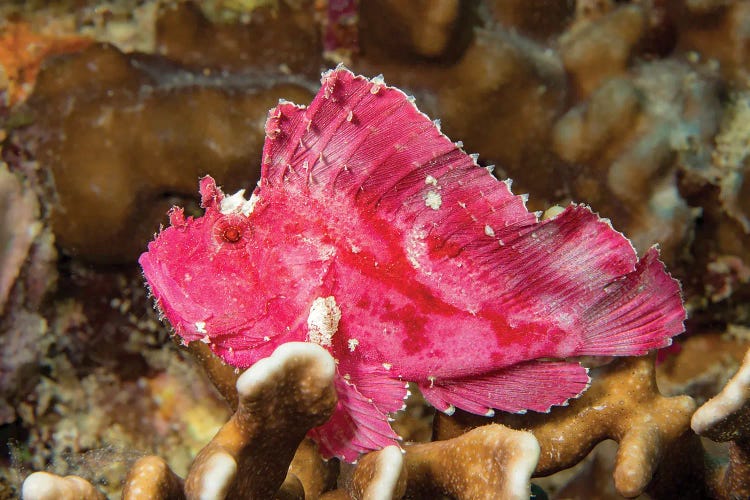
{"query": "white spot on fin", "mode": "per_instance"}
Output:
(353, 343)
(433, 199)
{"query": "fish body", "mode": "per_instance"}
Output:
(375, 236)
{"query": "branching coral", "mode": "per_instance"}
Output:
(491, 461)
(726, 417)
(280, 399)
(46, 486)
(623, 404)
(616, 104)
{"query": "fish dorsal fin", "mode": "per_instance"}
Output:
(365, 147)
(365, 142)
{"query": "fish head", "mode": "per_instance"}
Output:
(201, 272)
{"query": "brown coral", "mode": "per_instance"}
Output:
(261, 39)
(623, 403)
(491, 461)
(426, 28)
(726, 417)
(280, 399)
(125, 136)
(597, 48)
(628, 125)
(46, 486)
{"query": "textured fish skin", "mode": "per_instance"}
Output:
(374, 235)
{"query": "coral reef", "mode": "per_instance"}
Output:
(636, 107)
(280, 398)
(623, 404)
(94, 112)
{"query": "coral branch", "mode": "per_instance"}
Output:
(492, 461)
(150, 477)
(46, 486)
(623, 403)
(280, 399)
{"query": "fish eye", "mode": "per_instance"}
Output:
(232, 234)
(231, 230)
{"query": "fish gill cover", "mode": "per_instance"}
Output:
(375, 236)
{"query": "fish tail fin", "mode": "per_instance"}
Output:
(639, 312)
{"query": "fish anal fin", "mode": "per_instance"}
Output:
(533, 385)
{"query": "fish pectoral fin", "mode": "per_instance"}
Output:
(377, 384)
(533, 385)
(356, 426)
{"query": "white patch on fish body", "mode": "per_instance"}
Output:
(353, 343)
(237, 204)
(433, 199)
(323, 320)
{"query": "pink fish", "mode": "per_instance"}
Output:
(375, 236)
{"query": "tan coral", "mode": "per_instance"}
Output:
(315, 474)
(492, 461)
(126, 137)
(703, 365)
(151, 477)
(424, 28)
(502, 99)
(489, 462)
(623, 403)
(280, 399)
(600, 47)
(726, 417)
(628, 139)
(46, 486)
(379, 474)
(731, 166)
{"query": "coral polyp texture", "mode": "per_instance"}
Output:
(444, 303)
(366, 236)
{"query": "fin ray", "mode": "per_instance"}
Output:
(534, 385)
